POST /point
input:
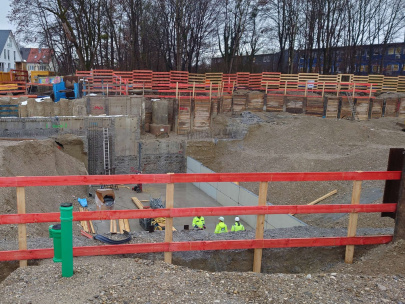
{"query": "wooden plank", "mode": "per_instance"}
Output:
(71, 180)
(12, 255)
(257, 258)
(137, 202)
(22, 228)
(353, 217)
(7, 219)
(121, 225)
(126, 225)
(321, 198)
(169, 220)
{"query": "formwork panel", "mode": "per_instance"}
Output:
(391, 106)
(376, 111)
(255, 101)
(295, 105)
(275, 103)
(314, 106)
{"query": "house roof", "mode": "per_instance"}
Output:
(37, 55)
(24, 53)
(4, 34)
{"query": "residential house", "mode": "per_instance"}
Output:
(38, 59)
(9, 51)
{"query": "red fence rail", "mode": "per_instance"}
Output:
(170, 179)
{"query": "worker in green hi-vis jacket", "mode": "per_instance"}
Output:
(221, 226)
(238, 226)
(199, 222)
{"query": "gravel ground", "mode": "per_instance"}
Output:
(278, 143)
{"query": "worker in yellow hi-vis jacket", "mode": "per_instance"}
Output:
(238, 226)
(221, 226)
(199, 222)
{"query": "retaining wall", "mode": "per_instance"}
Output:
(230, 194)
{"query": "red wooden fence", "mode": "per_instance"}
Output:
(170, 179)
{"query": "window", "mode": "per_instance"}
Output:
(395, 67)
(5, 55)
(391, 51)
(376, 68)
(8, 67)
(8, 54)
(2, 66)
(364, 68)
(377, 51)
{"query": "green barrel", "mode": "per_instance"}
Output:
(66, 217)
(55, 234)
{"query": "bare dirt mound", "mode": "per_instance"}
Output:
(37, 158)
(284, 142)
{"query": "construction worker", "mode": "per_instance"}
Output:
(199, 222)
(221, 226)
(238, 226)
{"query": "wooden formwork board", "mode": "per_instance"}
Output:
(275, 103)
(360, 82)
(179, 77)
(202, 115)
(295, 104)
(332, 108)
(242, 79)
(142, 77)
(229, 79)
(196, 78)
(255, 101)
(327, 82)
(362, 107)
(346, 111)
(401, 84)
(390, 84)
(308, 78)
(184, 118)
(376, 81)
(227, 103)
(271, 80)
(391, 106)
(215, 78)
(345, 81)
(239, 102)
(376, 110)
(289, 80)
(314, 106)
(401, 110)
(161, 80)
(255, 81)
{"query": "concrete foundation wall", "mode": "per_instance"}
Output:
(230, 194)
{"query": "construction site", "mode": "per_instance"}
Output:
(157, 128)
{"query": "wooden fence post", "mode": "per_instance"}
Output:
(257, 258)
(22, 228)
(169, 220)
(353, 221)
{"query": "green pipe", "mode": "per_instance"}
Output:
(66, 217)
(54, 233)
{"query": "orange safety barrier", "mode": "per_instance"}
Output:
(170, 179)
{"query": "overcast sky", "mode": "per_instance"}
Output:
(4, 10)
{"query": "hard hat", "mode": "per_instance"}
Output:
(221, 218)
(237, 219)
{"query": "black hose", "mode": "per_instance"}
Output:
(106, 240)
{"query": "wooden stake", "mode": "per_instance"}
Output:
(353, 221)
(323, 89)
(267, 84)
(177, 90)
(194, 89)
(306, 88)
(22, 228)
(210, 91)
(121, 225)
(354, 90)
(257, 258)
(169, 220)
(371, 90)
(285, 87)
